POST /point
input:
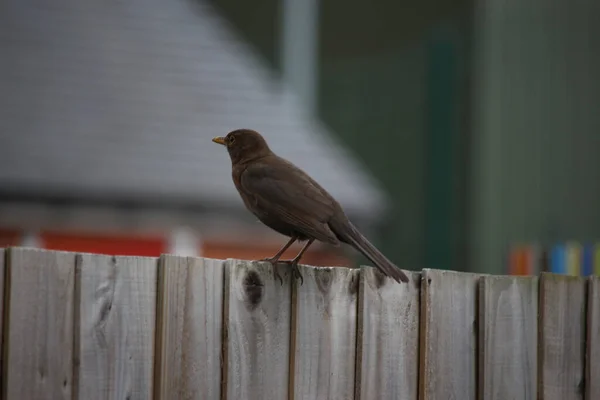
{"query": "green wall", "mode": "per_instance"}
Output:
(400, 103)
(536, 141)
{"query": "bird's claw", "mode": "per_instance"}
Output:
(274, 261)
(276, 274)
(296, 273)
(294, 264)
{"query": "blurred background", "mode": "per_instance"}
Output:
(457, 134)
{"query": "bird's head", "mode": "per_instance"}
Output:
(244, 145)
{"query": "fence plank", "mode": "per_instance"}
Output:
(38, 348)
(190, 318)
(325, 333)
(2, 261)
(561, 344)
(388, 337)
(448, 335)
(508, 337)
(257, 318)
(114, 326)
(593, 339)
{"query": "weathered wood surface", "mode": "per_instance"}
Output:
(2, 263)
(189, 336)
(257, 322)
(325, 333)
(593, 340)
(114, 326)
(508, 309)
(39, 337)
(448, 335)
(561, 341)
(84, 326)
(388, 337)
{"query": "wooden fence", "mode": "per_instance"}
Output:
(86, 326)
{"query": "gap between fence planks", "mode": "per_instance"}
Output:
(508, 308)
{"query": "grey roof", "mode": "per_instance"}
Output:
(122, 99)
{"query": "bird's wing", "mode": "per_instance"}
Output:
(284, 192)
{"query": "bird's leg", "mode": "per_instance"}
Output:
(276, 257)
(295, 271)
(273, 260)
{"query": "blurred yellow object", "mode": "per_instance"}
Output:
(574, 257)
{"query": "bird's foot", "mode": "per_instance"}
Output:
(270, 260)
(276, 274)
(293, 263)
(296, 272)
(274, 261)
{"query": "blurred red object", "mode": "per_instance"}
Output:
(257, 250)
(9, 238)
(122, 245)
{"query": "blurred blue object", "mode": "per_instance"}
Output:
(558, 259)
(587, 267)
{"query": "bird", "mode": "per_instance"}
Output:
(287, 200)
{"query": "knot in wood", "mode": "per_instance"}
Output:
(253, 289)
(323, 279)
(379, 278)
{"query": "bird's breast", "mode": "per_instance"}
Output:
(250, 201)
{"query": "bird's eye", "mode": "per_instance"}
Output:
(231, 139)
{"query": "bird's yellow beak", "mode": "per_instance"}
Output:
(220, 140)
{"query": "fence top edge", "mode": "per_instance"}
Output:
(427, 271)
(28, 249)
(554, 277)
(544, 275)
(511, 278)
(235, 261)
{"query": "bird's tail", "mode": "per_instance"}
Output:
(349, 234)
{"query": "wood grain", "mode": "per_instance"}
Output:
(3, 255)
(448, 335)
(257, 318)
(38, 347)
(593, 339)
(508, 309)
(190, 317)
(115, 324)
(388, 337)
(325, 334)
(561, 342)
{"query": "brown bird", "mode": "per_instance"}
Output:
(286, 199)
